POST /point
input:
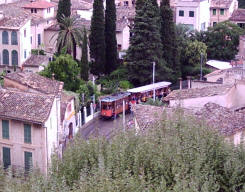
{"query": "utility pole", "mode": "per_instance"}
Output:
(124, 115)
(153, 78)
(201, 67)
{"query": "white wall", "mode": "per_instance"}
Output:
(86, 14)
(204, 14)
(50, 14)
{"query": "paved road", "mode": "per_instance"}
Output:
(104, 128)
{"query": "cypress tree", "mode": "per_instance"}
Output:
(169, 41)
(84, 60)
(145, 45)
(64, 8)
(97, 38)
(110, 36)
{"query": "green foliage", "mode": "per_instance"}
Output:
(65, 69)
(125, 85)
(222, 40)
(64, 9)
(70, 34)
(110, 37)
(37, 52)
(169, 40)
(86, 91)
(84, 69)
(145, 45)
(97, 39)
(157, 102)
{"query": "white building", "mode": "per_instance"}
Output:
(193, 13)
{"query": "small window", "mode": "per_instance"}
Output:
(222, 11)
(35, 10)
(119, 47)
(31, 39)
(32, 10)
(191, 13)
(5, 129)
(214, 11)
(28, 160)
(24, 32)
(14, 58)
(39, 39)
(6, 157)
(214, 23)
(14, 40)
(27, 133)
(181, 13)
(5, 37)
(5, 57)
(25, 54)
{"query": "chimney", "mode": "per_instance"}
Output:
(180, 83)
(189, 81)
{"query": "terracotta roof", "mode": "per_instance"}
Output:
(221, 4)
(36, 60)
(81, 5)
(40, 4)
(14, 22)
(198, 92)
(125, 12)
(238, 15)
(36, 82)
(226, 121)
(24, 106)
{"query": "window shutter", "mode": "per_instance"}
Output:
(6, 157)
(5, 129)
(27, 133)
(28, 160)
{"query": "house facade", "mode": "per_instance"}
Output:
(193, 14)
(221, 10)
(28, 129)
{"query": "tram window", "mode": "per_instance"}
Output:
(104, 107)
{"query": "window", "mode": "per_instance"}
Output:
(24, 32)
(222, 11)
(32, 10)
(5, 129)
(31, 40)
(5, 37)
(27, 133)
(28, 160)
(203, 26)
(214, 23)
(214, 11)
(14, 55)
(191, 13)
(48, 10)
(5, 57)
(6, 157)
(39, 39)
(181, 13)
(25, 54)
(14, 40)
(119, 47)
(125, 3)
(35, 10)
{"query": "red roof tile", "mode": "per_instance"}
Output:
(39, 5)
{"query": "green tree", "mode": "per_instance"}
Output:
(169, 41)
(64, 9)
(110, 37)
(222, 41)
(145, 46)
(84, 60)
(65, 69)
(70, 35)
(97, 38)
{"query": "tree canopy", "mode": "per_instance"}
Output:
(84, 71)
(64, 9)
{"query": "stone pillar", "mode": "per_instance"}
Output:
(180, 83)
(85, 114)
(189, 81)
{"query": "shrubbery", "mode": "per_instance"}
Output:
(174, 156)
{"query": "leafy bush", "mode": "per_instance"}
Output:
(157, 102)
(125, 85)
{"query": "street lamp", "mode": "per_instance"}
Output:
(153, 78)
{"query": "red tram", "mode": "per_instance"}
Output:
(113, 105)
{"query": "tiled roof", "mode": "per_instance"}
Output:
(14, 22)
(198, 92)
(224, 120)
(125, 12)
(39, 4)
(35, 60)
(238, 15)
(221, 4)
(24, 106)
(36, 82)
(81, 5)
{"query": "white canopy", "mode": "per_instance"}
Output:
(150, 87)
(219, 64)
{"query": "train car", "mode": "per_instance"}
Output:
(112, 105)
(141, 94)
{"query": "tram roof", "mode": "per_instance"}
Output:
(150, 87)
(115, 97)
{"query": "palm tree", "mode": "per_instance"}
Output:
(69, 35)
